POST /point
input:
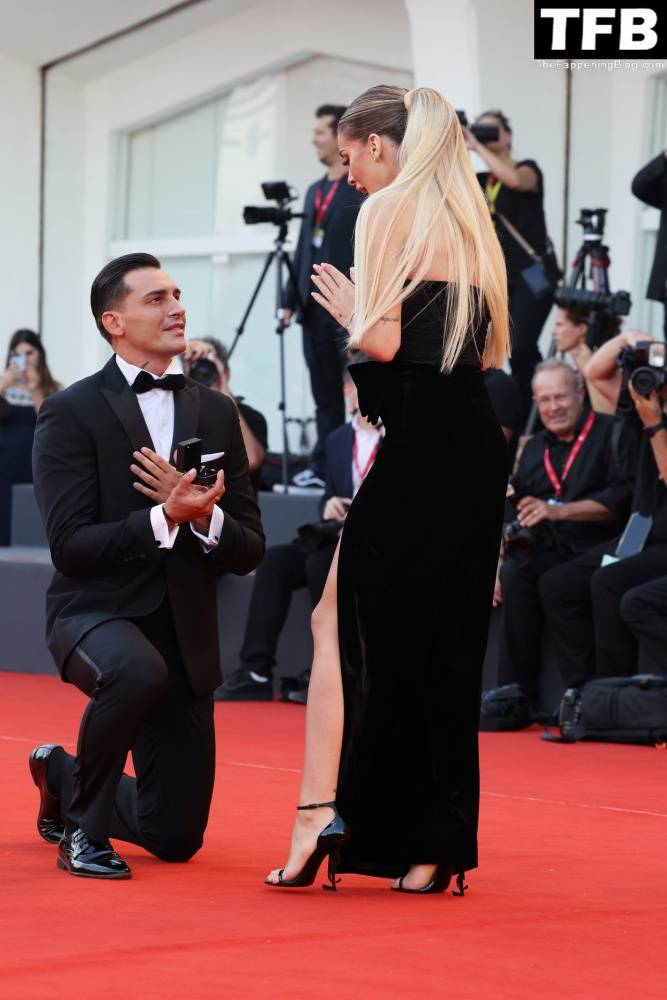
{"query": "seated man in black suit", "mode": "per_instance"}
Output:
(131, 611)
(305, 562)
(330, 211)
(650, 186)
(572, 490)
(644, 611)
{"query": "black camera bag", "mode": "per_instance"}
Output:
(504, 709)
(616, 710)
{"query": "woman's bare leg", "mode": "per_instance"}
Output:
(324, 729)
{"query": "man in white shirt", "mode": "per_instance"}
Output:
(131, 610)
(350, 453)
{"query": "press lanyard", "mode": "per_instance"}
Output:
(574, 451)
(362, 473)
(493, 187)
(322, 203)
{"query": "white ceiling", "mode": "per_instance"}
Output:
(41, 31)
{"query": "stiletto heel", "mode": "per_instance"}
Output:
(439, 882)
(329, 842)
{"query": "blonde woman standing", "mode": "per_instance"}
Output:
(390, 784)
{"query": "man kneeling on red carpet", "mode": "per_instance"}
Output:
(131, 610)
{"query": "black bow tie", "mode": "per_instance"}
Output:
(144, 382)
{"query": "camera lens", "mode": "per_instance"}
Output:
(203, 371)
(645, 381)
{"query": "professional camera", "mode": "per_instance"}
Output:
(203, 371)
(483, 133)
(643, 368)
(279, 214)
(592, 221)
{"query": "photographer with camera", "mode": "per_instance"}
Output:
(206, 361)
(304, 562)
(24, 385)
(572, 490)
(650, 186)
(515, 195)
(570, 334)
(327, 230)
(584, 599)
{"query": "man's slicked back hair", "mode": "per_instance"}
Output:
(109, 289)
(336, 111)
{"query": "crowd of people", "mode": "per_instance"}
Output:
(598, 459)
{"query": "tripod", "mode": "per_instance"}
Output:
(283, 264)
(596, 252)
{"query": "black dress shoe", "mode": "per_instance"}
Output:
(50, 826)
(79, 855)
(295, 688)
(241, 686)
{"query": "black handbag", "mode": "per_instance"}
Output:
(543, 275)
(616, 710)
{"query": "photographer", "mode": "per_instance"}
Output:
(570, 333)
(24, 385)
(350, 453)
(515, 192)
(206, 361)
(326, 234)
(650, 186)
(572, 490)
(584, 599)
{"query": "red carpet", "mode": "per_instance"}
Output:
(570, 899)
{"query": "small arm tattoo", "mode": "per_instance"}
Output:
(389, 319)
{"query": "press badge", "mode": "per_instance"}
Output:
(317, 238)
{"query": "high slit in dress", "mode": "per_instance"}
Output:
(416, 572)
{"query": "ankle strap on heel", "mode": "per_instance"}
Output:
(318, 805)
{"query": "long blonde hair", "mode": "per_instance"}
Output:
(437, 188)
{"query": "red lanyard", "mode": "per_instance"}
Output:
(322, 204)
(574, 451)
(362, 473)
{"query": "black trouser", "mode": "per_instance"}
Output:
(582, 602)
(140, 701)
(527, 317)
(284, 569)
(521, 637)
(644, 611)
(324, 353)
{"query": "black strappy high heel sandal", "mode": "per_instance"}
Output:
(439, 882)
(329, 842)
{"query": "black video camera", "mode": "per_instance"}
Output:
(279, 214)
(601, 307)
(483, 133)
(643, 368)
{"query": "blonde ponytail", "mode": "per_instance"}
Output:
(438, 191)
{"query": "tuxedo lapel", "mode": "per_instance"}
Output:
(123, 401)
(186, 416)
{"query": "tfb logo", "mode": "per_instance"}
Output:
(598, 31)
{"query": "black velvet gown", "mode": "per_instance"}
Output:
(416, 572)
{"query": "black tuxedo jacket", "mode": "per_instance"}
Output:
(337, 245)
(108, 564)
(650, 186)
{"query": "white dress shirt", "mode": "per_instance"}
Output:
(367, 441)
(157, 407)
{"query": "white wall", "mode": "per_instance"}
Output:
(247, 44)
(19, 187)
